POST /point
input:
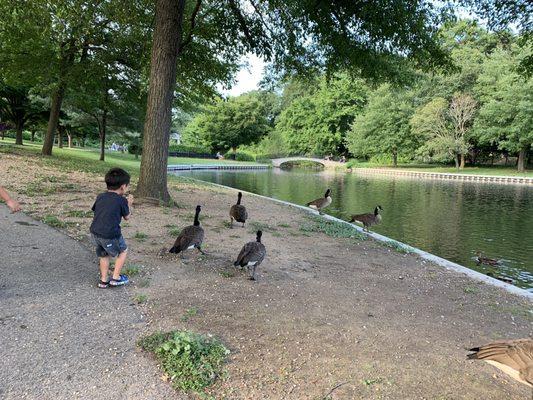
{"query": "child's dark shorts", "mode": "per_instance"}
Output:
(109, 247)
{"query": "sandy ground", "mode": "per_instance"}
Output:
(327, 318)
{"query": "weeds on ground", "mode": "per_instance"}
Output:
(140, 236)
(227, 274)
(140, 298)
(397, 246)
(174, 231)
(191, 361)
(191, 312)
(260, 226)
(132, 270)
(331, 228)
(52, 220)
(470, 289)
(80, 214)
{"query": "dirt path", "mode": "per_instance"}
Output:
(325, 311)
(61, 337)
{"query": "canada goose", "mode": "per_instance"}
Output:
(238, 212)
(251, 255)
(368, 219)
(190, 237)
(514, 357)
(486, 260)
(321, 203)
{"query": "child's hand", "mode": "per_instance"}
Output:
(13, 205)
(130, 199)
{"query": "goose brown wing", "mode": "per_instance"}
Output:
(238, 212)
(516, 354)
(362, 217)
(190, 235)
(316, 202)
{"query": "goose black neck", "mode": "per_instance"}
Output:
(376, 211)
(239, 196)
(196, 220)
(327, 193)
(259, 234)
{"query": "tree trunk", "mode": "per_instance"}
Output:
(394, 159)
(19, 128)
(57, 100)
(522, 159)
(69, 137)
(456, 159)
(33, 135)
(462, 165)
(60, 130)
(102, 136)
(167, 38)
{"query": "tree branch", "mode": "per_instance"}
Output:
(188, 39)
(242, 22)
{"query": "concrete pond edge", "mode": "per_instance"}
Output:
(449, 265)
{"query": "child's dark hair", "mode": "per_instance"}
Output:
(116, 177)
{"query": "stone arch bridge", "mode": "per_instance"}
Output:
(278, 162)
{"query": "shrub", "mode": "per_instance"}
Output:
(182, 148)
(191, 361)
(239, 156)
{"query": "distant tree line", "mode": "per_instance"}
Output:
(479, 112)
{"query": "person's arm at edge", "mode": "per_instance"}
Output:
(13, 205)
(130, 203)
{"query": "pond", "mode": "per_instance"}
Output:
(453, 220)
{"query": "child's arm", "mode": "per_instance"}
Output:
(13, 205)
(130, 203)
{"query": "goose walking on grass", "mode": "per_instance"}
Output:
(251, 255)
(238, 212)
(368, 219)
(514, 357)
(190, 237)
(321, 203)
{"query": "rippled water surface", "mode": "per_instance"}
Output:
(451, 219)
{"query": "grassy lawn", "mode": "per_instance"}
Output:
(483, 170)
(90, 155)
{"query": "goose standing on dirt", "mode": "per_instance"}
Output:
(321, 203)
(190, 237)
(251, 255)
(238, 212)
(368, 219)
(514, 357)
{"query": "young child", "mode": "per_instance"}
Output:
(13, 205)
(109, 209)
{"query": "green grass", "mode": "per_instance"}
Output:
(470, 290)
(52, 220)
(396, 246)
(174, 231)
(331, 228)
(227, 274)
(140, 236)
(131, 270)
(189, 313)
(80, 214)
(191, 361)
(140, 299)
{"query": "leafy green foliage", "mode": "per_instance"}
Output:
(191, 361)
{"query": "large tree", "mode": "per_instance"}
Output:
(383, 128)
(374, 39)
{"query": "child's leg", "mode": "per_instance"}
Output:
(104, 268)
(119, 263)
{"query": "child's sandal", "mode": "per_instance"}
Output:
(103, 285)
(122, 280)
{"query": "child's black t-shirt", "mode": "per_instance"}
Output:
(109, 208)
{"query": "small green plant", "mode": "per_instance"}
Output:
(227, 274)
(190, 312)
(370, 382)
(53, 179)
(471, 290)
(331, 228)
(80, 214)
(140, 236)
(397, 246)
(140, 298)
(260, 226)
(226, 224)
(132, 270)
(191, 361)
(174, 231)
(52, 220)
(284, 225)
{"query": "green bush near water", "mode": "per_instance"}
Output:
(191, 361)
